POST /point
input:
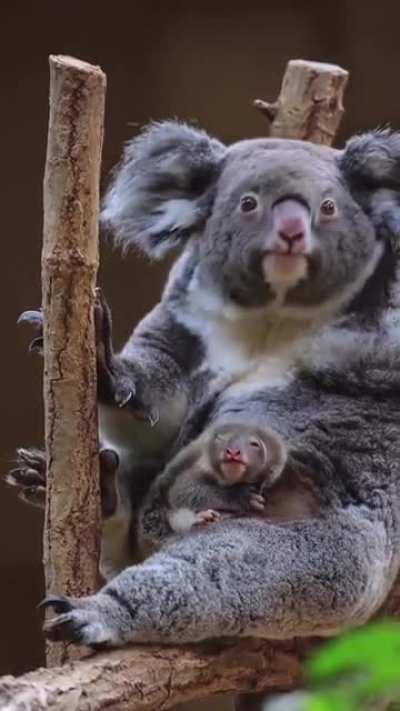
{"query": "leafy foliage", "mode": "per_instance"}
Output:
(357, 672)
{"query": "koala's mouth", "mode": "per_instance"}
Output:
(285, 269)
(233, 470)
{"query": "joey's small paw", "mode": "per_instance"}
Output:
(208, 516)
(77, 621)
(35, 320)
(29, 476)
(257, 502)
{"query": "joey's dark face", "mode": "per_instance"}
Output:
(285, 230)
(238, 454)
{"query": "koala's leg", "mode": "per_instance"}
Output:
(239, 578)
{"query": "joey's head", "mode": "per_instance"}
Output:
(241, 453)
(276, 224)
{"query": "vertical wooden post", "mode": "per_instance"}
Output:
(310, 104)
(69, 270)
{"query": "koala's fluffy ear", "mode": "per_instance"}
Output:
(371, 165)
(162, 190)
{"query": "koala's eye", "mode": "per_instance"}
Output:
(255, 443)
(328, 208)
(248, 203)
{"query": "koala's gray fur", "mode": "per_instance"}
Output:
(219, 315)
(317, 360)
(251, 577)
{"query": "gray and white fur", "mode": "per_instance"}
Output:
(227, 471)
(264, 264)
(311, 347)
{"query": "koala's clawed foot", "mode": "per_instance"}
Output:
(77, 620)
(205, 517)
(29, 476)
(34, 319)
(257, 502)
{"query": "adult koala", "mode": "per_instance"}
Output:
(281, 238)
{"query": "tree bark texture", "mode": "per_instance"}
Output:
(310, 105)
(69, 270)
(154, 678)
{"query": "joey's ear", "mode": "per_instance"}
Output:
(162, 190)
(371, 165)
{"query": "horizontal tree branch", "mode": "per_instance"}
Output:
(145, 678)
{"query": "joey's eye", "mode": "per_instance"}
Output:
(328, 208)
(248, 203)
(255, 443)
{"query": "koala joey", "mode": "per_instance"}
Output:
(225, 472)
(278, 238)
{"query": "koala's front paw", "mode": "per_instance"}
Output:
(29, 476)
(116, 379)
(205, 517)
(78, 620)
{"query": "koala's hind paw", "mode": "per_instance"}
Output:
(29, 476)
(208, 516)
(79, 621)
(257, 502)
(34, 319)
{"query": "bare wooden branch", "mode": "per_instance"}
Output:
(310, 105)
(145, 678)
(69, 270)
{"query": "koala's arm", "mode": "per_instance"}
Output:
(159, 358)
(153, 524)
(240, 578)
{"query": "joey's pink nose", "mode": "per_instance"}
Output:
(232, 454)
(291, 224)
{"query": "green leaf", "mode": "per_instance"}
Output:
(375, 648)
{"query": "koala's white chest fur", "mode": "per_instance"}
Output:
(250, 346)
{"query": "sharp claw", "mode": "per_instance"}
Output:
(32, 317)
(121, 401)
(61, 628)
(25, 476)
(153, 417)
(59, 603)
(36, 346)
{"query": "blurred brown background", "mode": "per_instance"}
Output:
(193, 59)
